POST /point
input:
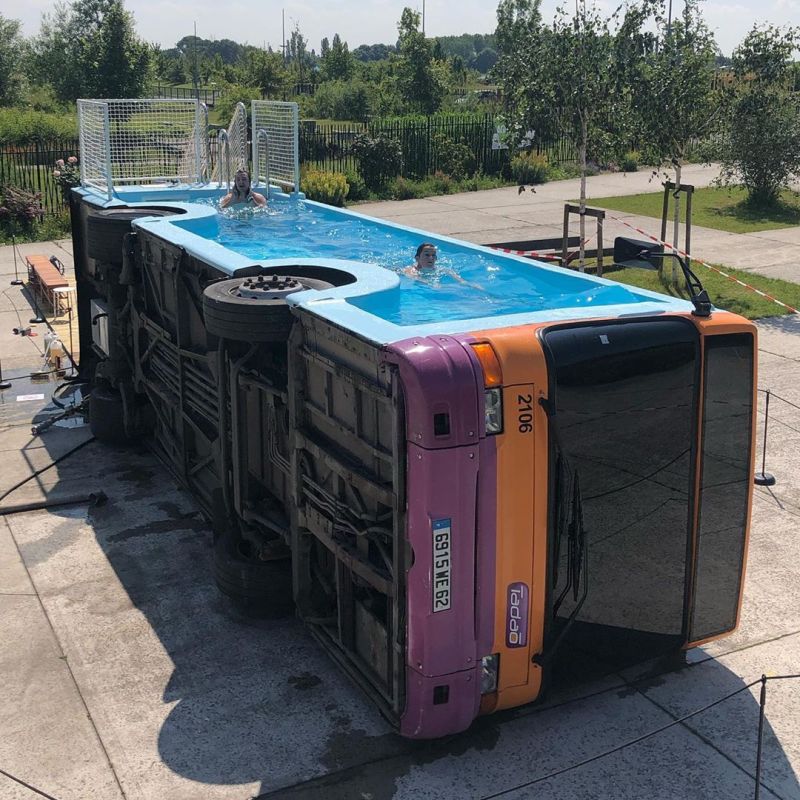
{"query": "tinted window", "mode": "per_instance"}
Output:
(724, 483)
(625, 417)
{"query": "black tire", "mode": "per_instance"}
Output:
(257, 588)
(244, 319)
(106, 228)
(106, 416)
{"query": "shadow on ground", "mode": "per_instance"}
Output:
(234, 701)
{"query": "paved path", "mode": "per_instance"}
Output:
(505, 215)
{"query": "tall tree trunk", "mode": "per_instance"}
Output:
(677, 218)
(582, 206)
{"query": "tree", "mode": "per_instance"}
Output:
(565, 79)
(263, 69)
(520, 70)
(484, 61)
(119, 62)
(578, 60)
(338, 63)
(90, 49)
(761, 139)
(299, 60)
(373, 52)
(11, 48)
(421, 84)
(677, 102)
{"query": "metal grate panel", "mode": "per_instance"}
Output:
(276, 160)
(234, 156)
(139, 142)
(94, 146)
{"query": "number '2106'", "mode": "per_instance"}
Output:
(525, 413)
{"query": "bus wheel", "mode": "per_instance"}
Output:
(107, 416)
(106, 228)
(253, 309)
(256, 588)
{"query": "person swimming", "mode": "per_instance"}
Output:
(425, 262)
(241, 193)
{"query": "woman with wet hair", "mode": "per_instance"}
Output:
(425, 263)
(241, 193)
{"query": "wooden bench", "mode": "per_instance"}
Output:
(44, 277)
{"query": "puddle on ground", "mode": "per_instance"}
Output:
(29, 399)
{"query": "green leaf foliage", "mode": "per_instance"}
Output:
(90, 49)
(760, 143)
(11, 52)
(325, 187)
(380, 158)
(19, 127)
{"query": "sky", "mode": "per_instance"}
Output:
(369, 21)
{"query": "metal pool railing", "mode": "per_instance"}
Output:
(233, 153)
(140, 142)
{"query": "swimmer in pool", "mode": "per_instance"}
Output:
(242, 193)
(425, 261)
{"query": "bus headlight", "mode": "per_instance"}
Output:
(490, 666)
(493, 410)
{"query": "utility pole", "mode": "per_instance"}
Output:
(423, 17)
(283, 35)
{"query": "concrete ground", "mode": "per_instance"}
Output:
(124, 675)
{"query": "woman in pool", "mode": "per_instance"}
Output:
(425, 262)
(242, 193)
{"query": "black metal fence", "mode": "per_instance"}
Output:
(30, 167)
(329, 148)
(207, 96)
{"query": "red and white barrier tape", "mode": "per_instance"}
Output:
(708, 266)
(527, 253)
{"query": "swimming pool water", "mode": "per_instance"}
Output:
(496, 285)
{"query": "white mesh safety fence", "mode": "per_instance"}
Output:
(143, 142)
(275, 144)
(232, 154)
(94, 146)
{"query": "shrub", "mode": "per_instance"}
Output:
(454, 158)
(529, 168)
(325, 187)
(380, 158)
(630, 161)
(563, 171)
(348, 100)
(761, 147)
(19, 209)
(441, 183)
(233, 93)
(358, 189)
(404, 189)
(25, 127)
(67, 174)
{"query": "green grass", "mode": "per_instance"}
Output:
(724, 294)
(721, 209)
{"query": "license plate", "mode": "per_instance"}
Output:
(440, 582)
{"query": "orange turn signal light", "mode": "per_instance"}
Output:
(492, 374)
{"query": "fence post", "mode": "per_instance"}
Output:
(760, 746)
(107, 143)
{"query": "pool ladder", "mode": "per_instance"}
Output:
(224, 142)
(261, 136)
